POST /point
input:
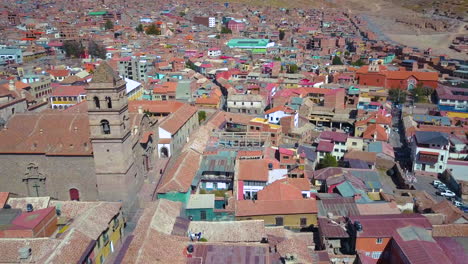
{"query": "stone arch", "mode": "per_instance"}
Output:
(74, 194)
(105, 127)
(164, 152)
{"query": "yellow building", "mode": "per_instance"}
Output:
(290, 213)
(65, 96)
(109, 239)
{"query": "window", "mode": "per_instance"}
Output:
(379, 240)
(303, 221)
(251, 103)
(376, 254)
(96, 102)
(202, 215)
(101, 259)
(109, 102)
(442, 158)
(279, 221)
(105, 127)
(354, 144)
(98, 242)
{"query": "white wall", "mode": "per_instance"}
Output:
(164, 134)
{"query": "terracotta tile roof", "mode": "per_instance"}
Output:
(59, 73)
(246, 231)
(154, 106)
(69, 90)
(450, 230)
(370, 157)
(179, 178)
(279, 108)
(49, 132)
(378, 208)
(167, 87)
(89, 218)
(252, 170)
(421, 76)
(279, 190)
(3, 198)
(302, 184)
(40, 249)
(258, 207)
(174, 122)
(377, 131)
(450, 211)
(152, 246)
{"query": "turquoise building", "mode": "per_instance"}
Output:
(257, 46)
(200, 207)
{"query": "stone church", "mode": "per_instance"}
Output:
(96, 150)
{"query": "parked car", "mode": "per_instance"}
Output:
(395, 129)
(464, 208)
(442, 186)
(436, 182)
(446, 193)
(457, 203)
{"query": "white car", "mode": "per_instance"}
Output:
(446, 193)
(436, 182)
(457, 203)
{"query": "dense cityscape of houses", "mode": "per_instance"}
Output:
(226, 133)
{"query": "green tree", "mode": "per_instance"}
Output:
(328, 161)
(277, 58)
(293, 68)
(201, 116)
(96, 50)
(109, 24)
(397, 96)
(421, 93)
(336, 61)
(358, 63)
(73, 49)
(226, 30)
(182, 13)
(281, 34)
(139, 28)
(189, 64)
(153, 30)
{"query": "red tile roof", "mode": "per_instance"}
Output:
(154, 106)
(3, 198)
(177, 120)
(258, 207)
(279, 190)
(253, 170)
(180, 176)
(69, 90)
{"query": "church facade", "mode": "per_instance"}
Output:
(96, 150)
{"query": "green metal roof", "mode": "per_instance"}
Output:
(97, 13)
(247, 43)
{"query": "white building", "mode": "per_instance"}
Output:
(275, 114)
(211, 22)
(430, 151)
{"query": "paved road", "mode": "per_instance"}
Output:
(424, 184)
(397, 140)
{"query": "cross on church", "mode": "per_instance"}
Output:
(36, 186)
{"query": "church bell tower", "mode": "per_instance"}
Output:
(111, 136)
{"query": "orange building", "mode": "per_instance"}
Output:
(381, 76)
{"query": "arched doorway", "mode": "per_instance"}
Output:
(74, 194)
(164, 152)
